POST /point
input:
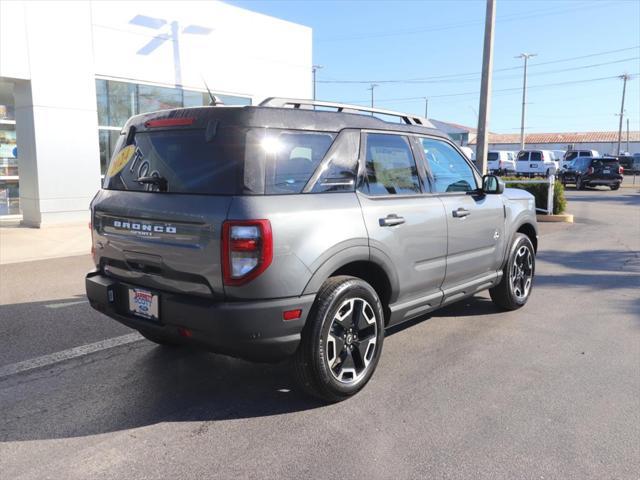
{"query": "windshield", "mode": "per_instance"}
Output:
(570, 156)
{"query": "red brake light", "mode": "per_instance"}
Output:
(169, 122)
(621, 170)
(247, 250)
(590, 171)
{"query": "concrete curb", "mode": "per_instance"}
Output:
(561, 218)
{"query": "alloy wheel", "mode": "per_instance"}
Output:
(351, 341)
(521, 275)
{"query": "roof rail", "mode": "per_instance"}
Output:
(297, 103)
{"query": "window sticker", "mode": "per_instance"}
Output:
(121, 159)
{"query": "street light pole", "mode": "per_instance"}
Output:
(482, 140)
(624, 78)
(314, 69)
(426, 108)
(526, 57)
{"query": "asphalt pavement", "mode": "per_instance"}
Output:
(549, 391)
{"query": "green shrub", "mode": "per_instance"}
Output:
(539, 191)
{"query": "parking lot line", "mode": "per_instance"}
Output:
(66, 304)
(68, 354)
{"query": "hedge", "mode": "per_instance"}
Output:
(539, 191)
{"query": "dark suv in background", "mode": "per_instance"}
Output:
(593, 172)
(281, 231)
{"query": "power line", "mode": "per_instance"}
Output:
(453, 26)
(514, 89)
(455, 76)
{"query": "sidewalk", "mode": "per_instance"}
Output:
(23, 244)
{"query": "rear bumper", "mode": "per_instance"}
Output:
(252, 330)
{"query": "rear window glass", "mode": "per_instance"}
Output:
(492, 156)
(606, 162)
(183, 161)
(523, 156)
(536, 156)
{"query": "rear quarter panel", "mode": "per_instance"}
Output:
(308, 230)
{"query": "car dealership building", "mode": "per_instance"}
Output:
(71, 73)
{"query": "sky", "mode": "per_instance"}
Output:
(423, 48)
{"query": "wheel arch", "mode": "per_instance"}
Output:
(357, 262)
(530, 231)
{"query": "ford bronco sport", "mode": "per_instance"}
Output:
(299, 229)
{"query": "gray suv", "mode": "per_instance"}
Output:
(301, 230)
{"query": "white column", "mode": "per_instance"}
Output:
(56, 115)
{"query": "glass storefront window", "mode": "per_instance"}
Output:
(108, 139)
(9, 185)
(158, 98)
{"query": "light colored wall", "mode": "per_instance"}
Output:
(58, 47)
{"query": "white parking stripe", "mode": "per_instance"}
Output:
(63, 355)
(65, 304)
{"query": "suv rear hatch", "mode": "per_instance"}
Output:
(606, 168)
(157, 222)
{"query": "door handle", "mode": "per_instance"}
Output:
(391, 220)
(461, 213)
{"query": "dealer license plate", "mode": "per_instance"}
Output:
(143, 303)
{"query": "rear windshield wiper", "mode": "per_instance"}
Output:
(160, 182)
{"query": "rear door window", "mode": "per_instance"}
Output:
(523, 156)
(536, 156)
(184, 159)
(492, 156)
(390, 166)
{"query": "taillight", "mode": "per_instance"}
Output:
(590, 171)
(247, 250)
(620, 170)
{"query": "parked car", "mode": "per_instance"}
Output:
(501, 162)
(630, 164)
(592, 172)
(536, 162)
(273, 231)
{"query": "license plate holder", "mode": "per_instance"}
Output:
(606, 172)
(144, 304)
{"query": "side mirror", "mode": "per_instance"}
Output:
(492, 184)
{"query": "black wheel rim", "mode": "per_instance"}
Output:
(521, 275)
(351, 341)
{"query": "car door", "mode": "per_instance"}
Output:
(406, 225)
(475, 222)
(522, 162)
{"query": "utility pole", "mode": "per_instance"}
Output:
(526, 57)
(624, 78)
(482, 139)
(426, 108)
(372, 87)
(314, 69)
(628, 151)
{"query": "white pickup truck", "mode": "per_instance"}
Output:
(536, 162)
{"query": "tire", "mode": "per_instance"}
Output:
(579, 184)
(615, 186)
(159, 340)
(328, 348)
(519, 268)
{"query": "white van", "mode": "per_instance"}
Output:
(501, 162)
(536, 162)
